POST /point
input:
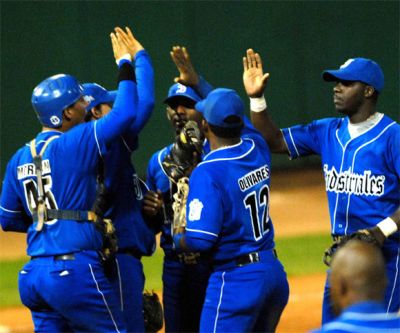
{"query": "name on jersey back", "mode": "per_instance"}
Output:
(253, 178)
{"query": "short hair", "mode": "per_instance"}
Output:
(233, 131)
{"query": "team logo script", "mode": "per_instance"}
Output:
(353, 183)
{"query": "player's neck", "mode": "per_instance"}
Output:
(362, 114)
(223, 142)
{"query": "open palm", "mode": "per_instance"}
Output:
(254, 79)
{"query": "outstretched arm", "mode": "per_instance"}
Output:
(144, 83)
(255, 81)
(187, 73)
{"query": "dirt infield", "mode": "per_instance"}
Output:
(298, 207)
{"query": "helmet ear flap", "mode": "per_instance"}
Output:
(52, 96)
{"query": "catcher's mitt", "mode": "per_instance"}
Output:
(179, 205)
(365, 235)
(152, 312)
(185, 153)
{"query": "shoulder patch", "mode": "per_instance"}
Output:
(195, 208)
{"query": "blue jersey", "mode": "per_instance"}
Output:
(228, 201)
(157, 179)
(69, 176)
(362, 175)
(125, 189)
(363, 317)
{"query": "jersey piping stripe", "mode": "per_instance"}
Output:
(357, 328)
(126, 145)
(95, 137)
(294, 145)
(11, 211)
(369, 316)
(231, 158)
(220, 301)
(352, 167)
(337, 194)
(104, 299)
(395, 280)
(223, 148)
(160, 162)
(121, 298)
(202, 232)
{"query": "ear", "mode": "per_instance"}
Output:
(67, 114)
(369, 91)
(204, 126)
(96, 113)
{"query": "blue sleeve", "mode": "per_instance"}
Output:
(304, 140)
(145, 97)
(394, 149)
(204, 88)
(123, 113)
(151, 173)
(12, 213)
(204, 213)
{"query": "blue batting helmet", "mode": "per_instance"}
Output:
(52, 96)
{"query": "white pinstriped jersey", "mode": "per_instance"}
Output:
(362, 175)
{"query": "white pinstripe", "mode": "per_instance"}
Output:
(121, 297)
(104, 299)
(202, 231)
(10, 211)
(395, 280)
(95, 137)
(220, 301)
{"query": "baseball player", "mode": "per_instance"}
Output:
(185, 276)
(52, 181)
(124, 190)
(360, 156)
(228, 216)
(357, 286)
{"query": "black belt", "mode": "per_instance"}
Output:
(245, 259)
(67, 256)
(131, 251)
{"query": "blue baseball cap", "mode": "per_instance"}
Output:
(358, 69)
(220, 104)
(95, 94)
(180, 90)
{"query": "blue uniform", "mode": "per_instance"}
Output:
(74, 294)
(184, 285)
(125, 191)
(362, 179)
(228, 216)
(363, 317)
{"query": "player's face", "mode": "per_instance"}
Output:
(78, 111)
(105, 109)
(348, 96)
(184, 111)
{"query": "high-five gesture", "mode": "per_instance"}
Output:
(129, 40)
(254, 79)
(187, 74)
(118, 45)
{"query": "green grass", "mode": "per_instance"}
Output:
(299, 255)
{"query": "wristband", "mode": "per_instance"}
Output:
(126, 56)
(387, 226)
(258, 104)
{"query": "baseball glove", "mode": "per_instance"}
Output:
(371, 236)
(179, 205)
(185, 153)
(152, 312)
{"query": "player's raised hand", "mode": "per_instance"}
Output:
(187, 74)
(254, 79)
(129, 40)
(118, 45)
